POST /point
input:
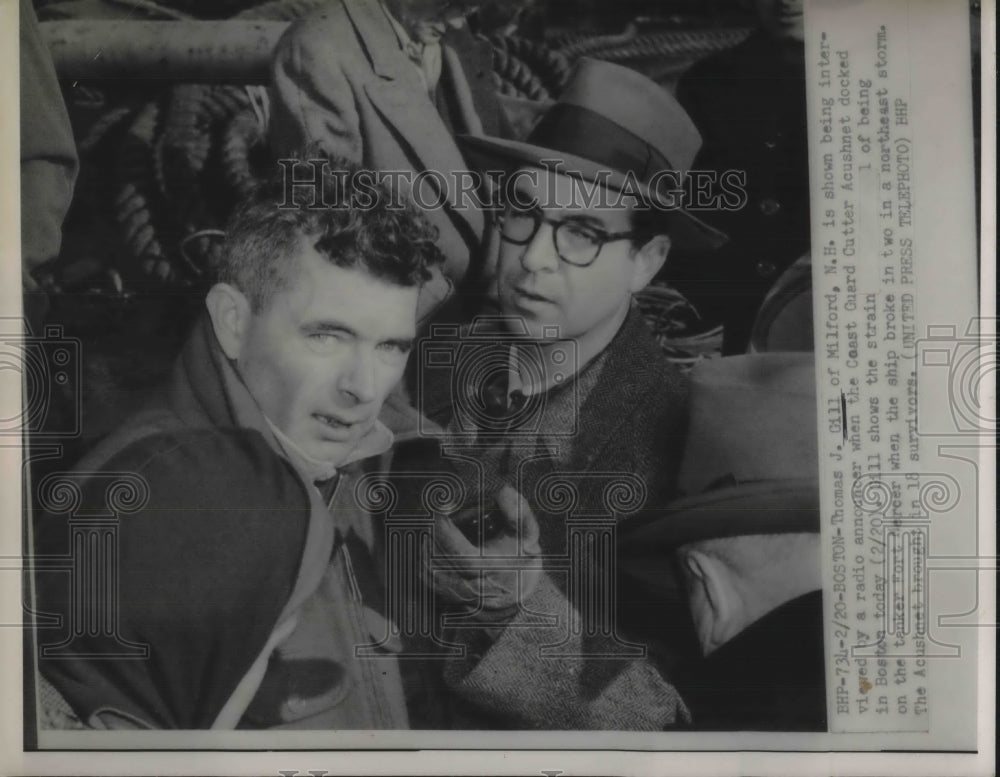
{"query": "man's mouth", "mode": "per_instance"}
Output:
(529, 296)
(336, 423)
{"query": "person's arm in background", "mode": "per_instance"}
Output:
(49, 162)
(312, 105)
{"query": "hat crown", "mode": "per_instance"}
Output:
(638, 105)
(616, 127)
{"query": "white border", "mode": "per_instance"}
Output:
(13, 761)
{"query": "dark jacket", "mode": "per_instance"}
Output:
(223, 588)
(769, 677)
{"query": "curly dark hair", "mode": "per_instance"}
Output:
(350, 217)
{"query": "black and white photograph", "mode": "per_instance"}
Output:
(397, 376)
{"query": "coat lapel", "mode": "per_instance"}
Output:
(399, 96)
(631, 381)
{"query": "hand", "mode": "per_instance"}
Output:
(510, 530)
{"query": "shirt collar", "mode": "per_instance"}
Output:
(406, 43)
(426, 57)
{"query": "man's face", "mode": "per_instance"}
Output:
(324, 354)
(589, 303)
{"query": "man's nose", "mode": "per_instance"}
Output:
(357, 376)
(540, 252)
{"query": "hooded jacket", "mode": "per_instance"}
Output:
(210, 585)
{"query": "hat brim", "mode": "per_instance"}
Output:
(686, 231)
(771, 507)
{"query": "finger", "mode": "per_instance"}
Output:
(520, 514)
(450, 539)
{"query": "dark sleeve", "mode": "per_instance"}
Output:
(193, 582)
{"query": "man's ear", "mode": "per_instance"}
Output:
(230, 312)
(647, 262)
(713, 592)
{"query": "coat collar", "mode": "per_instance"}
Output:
(374, 27)
(207, 390)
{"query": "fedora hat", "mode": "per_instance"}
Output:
(613, 125)
(750, 462)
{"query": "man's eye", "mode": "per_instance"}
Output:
(401, 349)
(579, 233)
(517, 214)
(324, 338)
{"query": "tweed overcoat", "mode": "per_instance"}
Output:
(621, 460)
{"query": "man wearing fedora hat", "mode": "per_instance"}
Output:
(746, 538)
(582, 394)
(594, 201)
(617, 140)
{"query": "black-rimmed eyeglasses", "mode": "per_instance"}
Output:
(576, 244)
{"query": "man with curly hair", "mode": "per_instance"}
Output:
(246, 570)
